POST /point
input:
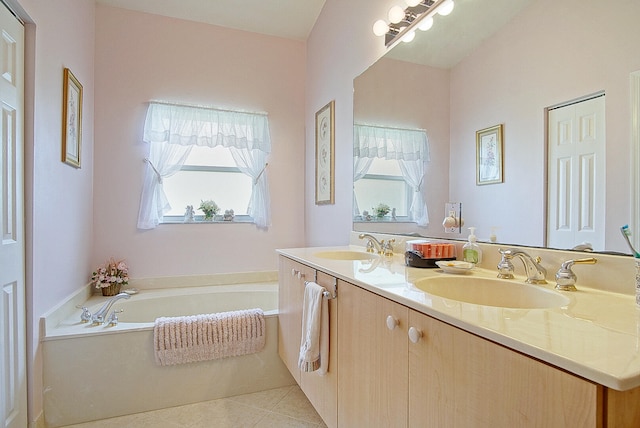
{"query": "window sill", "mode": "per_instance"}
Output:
(197, 220)
(382, 220)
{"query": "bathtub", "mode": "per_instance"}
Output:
(97, 372)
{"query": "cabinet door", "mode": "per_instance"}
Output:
(292, 276)
(322, 391)
(372, 360)
(457, 379)
(431, 372)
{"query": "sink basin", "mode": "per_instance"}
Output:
(346, 255)
(492, 292)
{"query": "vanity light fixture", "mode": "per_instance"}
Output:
(403, 22)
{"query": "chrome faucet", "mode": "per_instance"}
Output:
(100, 316)
(536, 273)
(565, 278)
(375, 246)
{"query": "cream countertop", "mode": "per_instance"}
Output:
(595, 336)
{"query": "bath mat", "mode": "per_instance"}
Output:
(188, 339)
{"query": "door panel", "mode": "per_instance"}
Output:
(576, 175)
(13, 396)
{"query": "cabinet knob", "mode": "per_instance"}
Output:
(392, 322)
(414, 334)
(295, 272)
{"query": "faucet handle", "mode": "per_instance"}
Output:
(387, 247)
(565, 278)
(113, 318)
(505, 267)
(85, 316)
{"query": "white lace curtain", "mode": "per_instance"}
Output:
(172, 130)
(410, 147)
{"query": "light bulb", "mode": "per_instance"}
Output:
(409, 37)
(396, 14)
(426, 23)
(446, 7)
(412, 3)
(380, 28)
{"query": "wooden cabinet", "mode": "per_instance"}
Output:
(379, 377)
(372, 360)
(292, 276)
(320, 390)
(447, 378)
(457, 379)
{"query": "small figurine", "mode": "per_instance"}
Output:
(228, 215)
(188, 214)
(393, 214)
(366, 216)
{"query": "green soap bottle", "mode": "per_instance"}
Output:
(471, 251)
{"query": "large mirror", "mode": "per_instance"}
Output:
(507, 62)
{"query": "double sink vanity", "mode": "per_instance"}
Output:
(420, 347)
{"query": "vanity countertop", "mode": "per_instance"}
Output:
(595, 336)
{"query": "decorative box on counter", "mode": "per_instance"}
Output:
(423, 253)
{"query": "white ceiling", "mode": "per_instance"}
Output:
(452, 38)
(291, 19)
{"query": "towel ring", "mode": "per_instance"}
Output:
(326, 294)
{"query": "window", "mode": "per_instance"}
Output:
(208, 173)
(383, 159)
(198, 153)
(383, 183)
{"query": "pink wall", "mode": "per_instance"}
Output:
(340, 47)
(381, 99)
(58, 197)
(518, 73)
(142, 57)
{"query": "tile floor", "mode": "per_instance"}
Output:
(281, 407)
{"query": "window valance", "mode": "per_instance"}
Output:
(390, 143)
(202, 126)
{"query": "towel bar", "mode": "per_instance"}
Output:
(328, 295)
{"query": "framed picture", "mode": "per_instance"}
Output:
(71, 119)
(325, 136)
(489, 155)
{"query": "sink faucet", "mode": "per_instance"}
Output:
(536, 273)
(375, 246)
(100, 316)
(565, 278)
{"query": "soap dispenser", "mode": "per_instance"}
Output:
(471, 251)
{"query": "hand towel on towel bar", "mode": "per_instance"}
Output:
(314, 344)
(188, 339)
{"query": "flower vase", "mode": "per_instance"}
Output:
(111, 290)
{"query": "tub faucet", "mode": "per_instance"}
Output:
(536, 273)
(100, 316)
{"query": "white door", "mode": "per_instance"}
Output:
(13, 379)
(576, 179)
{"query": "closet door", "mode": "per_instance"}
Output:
(576, 188)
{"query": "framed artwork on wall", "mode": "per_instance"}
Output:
(71, 119)
(325, 141)
(489, 165)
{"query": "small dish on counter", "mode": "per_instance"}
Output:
(455, 266)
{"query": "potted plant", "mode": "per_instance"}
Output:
(209, 208)
(381, 210)
(110, 277)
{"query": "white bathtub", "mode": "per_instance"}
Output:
(96, 372)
